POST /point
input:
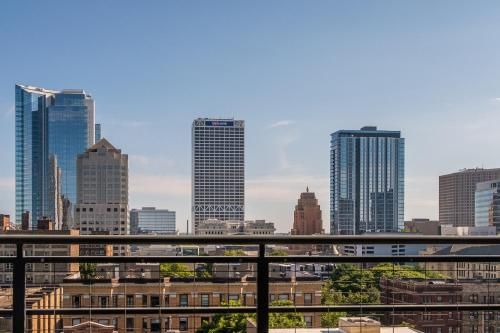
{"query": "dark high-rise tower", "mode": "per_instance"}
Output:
(366, 181)
(218, 170)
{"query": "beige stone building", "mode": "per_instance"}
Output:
(217, 227)
(102, 192)
(162, 294)
(457, 195)
(36, 298)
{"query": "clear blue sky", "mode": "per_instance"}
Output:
(295, 71)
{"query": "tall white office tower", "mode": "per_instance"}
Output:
(218, 170)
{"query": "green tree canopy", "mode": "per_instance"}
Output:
(88, 270)
(234, 253)
(278, 253)
(175, 270)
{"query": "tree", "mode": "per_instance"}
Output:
(88, 270)
(286, 320)
(237, 322)
(175, 270)
(392, 271)
(349, 278)
(234, 253)
(226, 322)
(278, 253)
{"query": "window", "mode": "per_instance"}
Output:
(76, 301)
(205, 300)
(183, 300)
(183, 324)
(130, 300)
(283, 297)
(130, 324)
(103, 301)
(75, 321)
(103, 321)
(166, 300)
(308, 320)
(155, 301)
(307, 299)
(145, 300)
(234, 297)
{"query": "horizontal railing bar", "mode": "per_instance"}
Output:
(381, 259)
(365, 308)
(254, 259)
(397, 238)
(143, 310)
(141, 259)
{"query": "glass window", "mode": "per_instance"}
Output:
(183, 300)
(130, 300)
(130, 324)
(183, 324)
(205, 300)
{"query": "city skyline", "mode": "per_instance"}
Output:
(293, 91)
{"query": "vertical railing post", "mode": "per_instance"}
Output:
(262, 291)
(19, 291)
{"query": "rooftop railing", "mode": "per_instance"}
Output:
(262, 261)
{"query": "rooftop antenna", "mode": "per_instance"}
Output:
(187, 226)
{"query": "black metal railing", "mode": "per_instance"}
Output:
(262, 309)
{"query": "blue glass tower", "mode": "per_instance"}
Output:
(52, 128)
(366, 181)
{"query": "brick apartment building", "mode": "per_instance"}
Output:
(166, 293)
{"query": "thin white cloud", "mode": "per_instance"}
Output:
(282, 123)
(176, 186)
(9, 111)
(7, 183)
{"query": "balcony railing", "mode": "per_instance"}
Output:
(262, 260)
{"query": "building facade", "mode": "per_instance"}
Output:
(366, 181)
(97, 132)
(218, 170)
(150, 220)
(102, 198)
(423, 226)
(52, 128)
(136, 293)
(487, 204)
(307, 218)
(218, 227)
(457, 195)
(408, 291)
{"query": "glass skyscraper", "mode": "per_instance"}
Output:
(52, 128)
(218, 168)
(487, 204)
(366, 181)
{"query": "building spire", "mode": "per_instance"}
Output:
(307, 188)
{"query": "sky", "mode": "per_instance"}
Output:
(295, 71)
